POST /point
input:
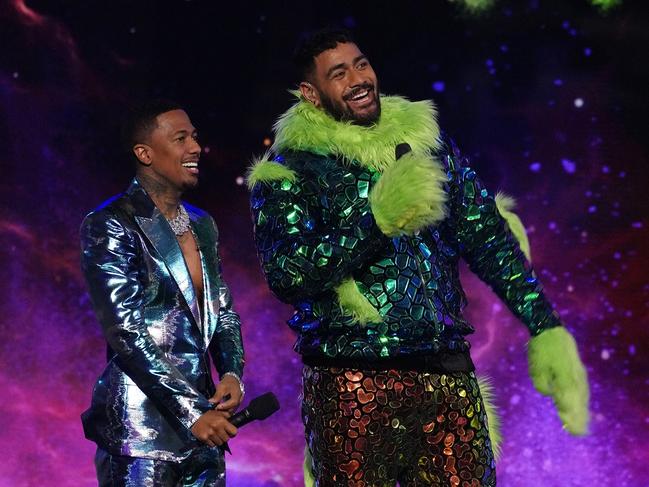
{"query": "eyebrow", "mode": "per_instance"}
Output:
(183, 131)
(342, 65)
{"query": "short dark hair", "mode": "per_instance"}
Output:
(140, 121)
(314, 43)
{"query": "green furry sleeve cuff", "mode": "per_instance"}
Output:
(505, 205)
(353, 302)
(263, 170)
(557, 371)
(409, 196)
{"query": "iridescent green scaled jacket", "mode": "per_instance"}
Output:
(327, 214)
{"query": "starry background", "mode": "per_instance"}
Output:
(548, 98)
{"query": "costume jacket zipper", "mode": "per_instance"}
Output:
(416, 253)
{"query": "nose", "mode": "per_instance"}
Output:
(195, 147)
(355, 78)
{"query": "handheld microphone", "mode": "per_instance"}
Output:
(401, 150)
(259, 408)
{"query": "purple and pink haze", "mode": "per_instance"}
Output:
(547, 99)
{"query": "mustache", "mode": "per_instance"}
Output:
(356, 90)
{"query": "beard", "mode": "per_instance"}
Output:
(342, 112)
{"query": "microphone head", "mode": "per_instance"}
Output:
(401, 150)
(263, 406)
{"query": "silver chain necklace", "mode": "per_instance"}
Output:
(180, 223)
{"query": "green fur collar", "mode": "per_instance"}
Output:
(305, 127)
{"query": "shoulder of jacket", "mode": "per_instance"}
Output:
(195, 211)
(268, 169)
(118, 209)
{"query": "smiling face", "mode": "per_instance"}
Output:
(344, 84)
(171, 152)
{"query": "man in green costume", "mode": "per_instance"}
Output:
(360, 221)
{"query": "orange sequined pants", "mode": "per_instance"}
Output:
(368, 428)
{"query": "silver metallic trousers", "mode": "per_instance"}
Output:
(205, 467)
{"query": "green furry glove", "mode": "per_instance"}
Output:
(557, 371)
(353, 302)
(409, 196)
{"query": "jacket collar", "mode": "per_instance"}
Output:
(157, 230)
(303, 127)
(140, 199)
(205, 234)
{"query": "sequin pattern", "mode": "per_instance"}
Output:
(372, 428)
(314, 232)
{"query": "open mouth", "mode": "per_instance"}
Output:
(192, 167)
(361, 97)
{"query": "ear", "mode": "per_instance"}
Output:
(143, 153)
(310, 92)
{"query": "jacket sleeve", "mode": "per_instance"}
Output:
(492, 252)
(227, 349)
(314, 232)
(112, 265)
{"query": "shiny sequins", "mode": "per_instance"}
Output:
(373, 428)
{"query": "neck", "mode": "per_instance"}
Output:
(164, 196)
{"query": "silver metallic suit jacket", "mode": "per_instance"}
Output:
(160, 336)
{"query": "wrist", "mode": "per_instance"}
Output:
(236, 377)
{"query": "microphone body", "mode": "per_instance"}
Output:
(259, 408)
(401, 150)
(241, 418)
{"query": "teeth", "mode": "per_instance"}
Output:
(361, 95)
(190, 164)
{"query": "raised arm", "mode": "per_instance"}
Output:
(311, 233)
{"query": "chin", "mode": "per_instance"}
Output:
(190, 184)
(367, 118)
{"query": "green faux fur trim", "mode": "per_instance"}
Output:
(493, 418)
(265, 170)
(505, 205)
(409, 196)
(309, 480)
(307, 128)
(353, 302)
(557, 371)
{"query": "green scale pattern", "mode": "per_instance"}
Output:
(318, 230)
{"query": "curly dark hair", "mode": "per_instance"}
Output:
(140, 121)
(313, 44)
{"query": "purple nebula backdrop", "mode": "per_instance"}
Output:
(547, 99)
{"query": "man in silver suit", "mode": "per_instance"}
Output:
(152, 266)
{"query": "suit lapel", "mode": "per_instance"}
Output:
(157, 230)
(204, 233)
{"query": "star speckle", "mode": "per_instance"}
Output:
(569, 166)
(438, 86)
